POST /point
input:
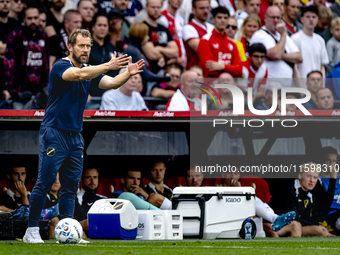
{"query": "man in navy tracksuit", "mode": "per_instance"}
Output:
(60, 142)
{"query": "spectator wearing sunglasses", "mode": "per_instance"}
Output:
(15, 8)
(167, 89)
(231, 31)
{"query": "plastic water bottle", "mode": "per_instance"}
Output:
(248, 229)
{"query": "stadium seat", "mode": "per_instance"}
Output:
(4, 184)
(117, 184)
(106, 186)
(174, 182)
(259, 184)
(30, 184)
(209, 182)
(145, 182)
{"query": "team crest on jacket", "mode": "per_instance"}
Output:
(50, 152)
(216, 45)
(230, 46)
(41, 43)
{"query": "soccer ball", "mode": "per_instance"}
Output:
(68, 231)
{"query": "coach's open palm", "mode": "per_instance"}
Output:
(135, 68)
(118, 63)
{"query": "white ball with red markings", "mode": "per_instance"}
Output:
(68, 231)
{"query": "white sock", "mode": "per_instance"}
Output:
(264, 211)
(166, 205)
(337, 224)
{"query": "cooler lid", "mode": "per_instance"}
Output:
(213, 190)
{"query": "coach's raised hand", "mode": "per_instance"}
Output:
(118, 63)
(135, 68)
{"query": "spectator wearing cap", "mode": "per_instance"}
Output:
(86, 10)
(311, 45)
(324, 99)
(267, 101)
(138, 34)
(314, 83)
(282, 53)
(116, 22)
(122, 6)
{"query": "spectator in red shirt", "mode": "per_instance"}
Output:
(217, 53)
(186, 97)
(255, 72)
(174, 22)
(196, 29)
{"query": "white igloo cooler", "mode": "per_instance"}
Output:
(113, 218)
(214, 212)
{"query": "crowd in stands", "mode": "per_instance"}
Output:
(184, 43)
(305, 206)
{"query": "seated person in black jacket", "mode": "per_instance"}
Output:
(17, 193)
(87, 196)
(138, 34)
(157, 185)
(297, 196)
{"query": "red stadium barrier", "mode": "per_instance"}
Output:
(164, 114)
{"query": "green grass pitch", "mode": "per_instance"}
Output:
(302, 245)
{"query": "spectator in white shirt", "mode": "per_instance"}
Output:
(282, 53)
(311, 45)
(125, 98)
